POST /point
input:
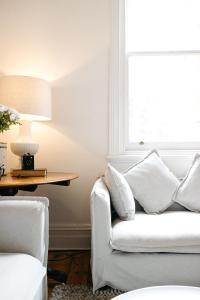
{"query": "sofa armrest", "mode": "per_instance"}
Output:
(24, 226)
(100, 219)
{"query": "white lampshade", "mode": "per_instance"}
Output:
(30, 96)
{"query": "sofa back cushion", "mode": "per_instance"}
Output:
(174, 207)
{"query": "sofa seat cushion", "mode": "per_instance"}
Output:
(171, 231)
(21, 275)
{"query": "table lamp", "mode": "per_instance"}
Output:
(31, 97)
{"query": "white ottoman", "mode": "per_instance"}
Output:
(167, 292)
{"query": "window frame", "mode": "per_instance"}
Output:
(118, 104)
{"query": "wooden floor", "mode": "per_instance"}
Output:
(75, 263)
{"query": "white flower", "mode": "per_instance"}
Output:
(14, 115)
(3, 108)
(8, 117)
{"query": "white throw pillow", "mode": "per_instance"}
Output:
(188, 192)
(152, 183)
(121, 194)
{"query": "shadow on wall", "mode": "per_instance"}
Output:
(80, 105)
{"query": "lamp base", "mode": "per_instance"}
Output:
(3, 156)
(28, 162)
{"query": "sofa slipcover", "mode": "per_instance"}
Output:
(128, 271)
(20, 275)
(171, 231)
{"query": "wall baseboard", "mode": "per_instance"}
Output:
(69, 236)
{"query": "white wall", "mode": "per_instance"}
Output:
(66, 42)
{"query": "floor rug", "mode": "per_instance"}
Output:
(82, 292)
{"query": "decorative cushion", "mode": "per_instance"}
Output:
(188, 192)
(171, 231)
(121, 194)
(152, 183)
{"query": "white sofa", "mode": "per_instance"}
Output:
(23, 248)
(161, 249)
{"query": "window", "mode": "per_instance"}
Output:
(156, 91)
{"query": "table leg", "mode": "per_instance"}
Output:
(57, 275)
(8, 191)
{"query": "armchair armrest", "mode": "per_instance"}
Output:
(100, 219)
(24, 226)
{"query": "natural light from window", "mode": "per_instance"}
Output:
(163, 66)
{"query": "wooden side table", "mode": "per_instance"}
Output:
(9, 186)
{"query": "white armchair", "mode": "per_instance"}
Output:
(23, 248)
